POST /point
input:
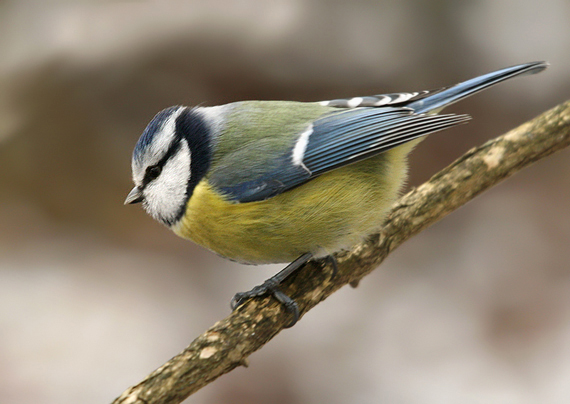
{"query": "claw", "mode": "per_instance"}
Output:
(270, 286)
(334, 263)
(290, 305)
(237, 301)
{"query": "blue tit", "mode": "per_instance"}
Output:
(278, 181)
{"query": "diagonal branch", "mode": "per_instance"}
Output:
(230, 341)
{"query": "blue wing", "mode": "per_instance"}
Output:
(362, 127)
(336, 140)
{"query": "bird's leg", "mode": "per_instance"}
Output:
(271, 286)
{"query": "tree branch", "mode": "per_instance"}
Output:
(230, 341)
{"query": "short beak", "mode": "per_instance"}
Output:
(135, 196)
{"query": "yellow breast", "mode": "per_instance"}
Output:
(331, 212)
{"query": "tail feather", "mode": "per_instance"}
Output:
(441, 99)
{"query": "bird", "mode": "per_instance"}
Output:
(262, 182)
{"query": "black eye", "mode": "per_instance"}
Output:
(152, 172)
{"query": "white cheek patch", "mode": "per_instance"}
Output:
(166, 195)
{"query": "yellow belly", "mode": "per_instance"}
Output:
(327, 214)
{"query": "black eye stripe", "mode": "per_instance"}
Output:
(152, 172)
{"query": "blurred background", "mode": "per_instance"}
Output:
(94, 295)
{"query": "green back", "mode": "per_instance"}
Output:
(254, 138)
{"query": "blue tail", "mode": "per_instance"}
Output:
(462, 90)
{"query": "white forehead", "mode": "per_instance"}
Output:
(161, 140)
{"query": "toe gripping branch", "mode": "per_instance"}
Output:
(271, 286)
